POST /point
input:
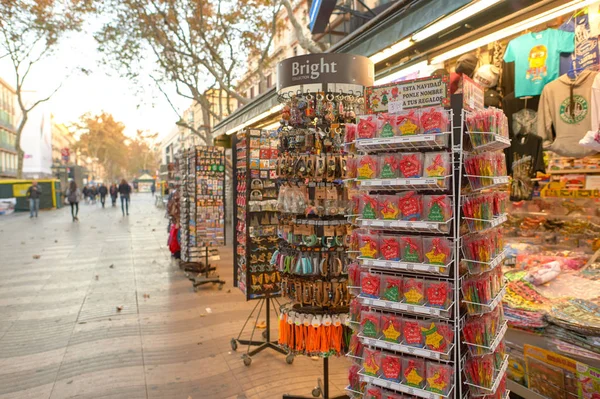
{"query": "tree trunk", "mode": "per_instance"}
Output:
(304, 41)
(20, 152)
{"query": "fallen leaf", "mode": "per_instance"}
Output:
(36, 256)
(112, 266)
(119, 308)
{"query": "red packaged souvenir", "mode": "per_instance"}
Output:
(350, 132)
(437, 250)
(391, 367)
(353, 377)
(408, 123)
(412, 249)
(371, 362)
(411, 205)
(369, 324)
(439, 378)
(414, 372)
(389, 247)
(434, 120)
(411, 165)
(414, 291)
(411, 329)
(391, 288)
(438, 294)
(354, 274)
(373, 392)
(388, 207)
(391, 327)
(355, 347)
(370, 284)
(367, 167)
(386, 124)
(389, 166)
(367, 127)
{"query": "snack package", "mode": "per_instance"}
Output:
(368, 206)
(391, 327)
(368, 245)
(391, 367)
(389, 248)
(389, 166)
(354, 271)
(408, 123)
(369, 324)
(355, 347)
(410, 205)
(351, 168)
(434, 120)
(372, 362)
(437, 208)
(414, 372)
(388, 207)
(411, 330)
(438, 294)
(354, 377)
(368, 167)
(414, 291)
(438, 335)
(391, 288)
(370, 284)
(349, 132)
(386, 125)
(366, 127)
(373, 392)
(437, 164)
(411, 248)
(439, 378)
(438, 250)
(411, 165)
(392, 395)
(355, 309)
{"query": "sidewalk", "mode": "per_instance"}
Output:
(61, 335)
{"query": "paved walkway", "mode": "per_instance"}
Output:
(61, 335)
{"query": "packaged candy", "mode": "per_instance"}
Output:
(389, 166)
(355, 309)
(391, 288)
(439, 378)
(437, 208)
(482, 168)
(391, 327)
(434, 120)
(368, 206)
(408, 123)
(366, 127)
(372, 362)
(410, 205)
(411, 330)
(438, 294)
(388, 207)
(367, 168)
(391, 367)
(414, 291)
(370, 284)
(438, 335)
(481, 289)
(354, 377)
(349, 132)
(411, 165)
(354, 275)
(438, 250)
(392, 395)
(386, 124)
(414, 372)
(369, 324)
(389, 248)
(437, 164)
(368, 245)
(351, 168)
(355, 347)
(373, 392)
(411, 248)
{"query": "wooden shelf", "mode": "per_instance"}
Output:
(572, 171)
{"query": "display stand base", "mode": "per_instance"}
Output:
(260, 345)
(322, 389)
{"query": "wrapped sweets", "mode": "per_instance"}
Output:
(368, 206)
(411, 165)
(389, 166)
(407, 123)
(438, 250)
(372, 362)
(414, 291)
(437, 208)
(410, 205)
(391, 288)
(366, 127)
(414, 372)
(439, 378)
(411, 249)
(369, 324)
(367, 168)
(391, 327)
(386, 125)
(368, 245)
(391, 367)
(434, 120)
(370, 284)
(411, 330)
(388, 207)
(437, 164)
(389, 248)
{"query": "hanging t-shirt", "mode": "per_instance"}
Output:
(537, 57)
(586, 47)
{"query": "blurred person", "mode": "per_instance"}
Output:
(74, 196)
(153, 189)
(34, 193)
(85, 193)
(102, 190)
(124, 192)
(114, 193)
(93, 193)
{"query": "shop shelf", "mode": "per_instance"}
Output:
(407, 266)
(476, 309)
(477, 267)
(417, 183)
(416, 142)
(409, 350)
(476, 225)
(405, 225)
(396, 386)
(480, 350)
(486, 182)
(406, 308)
(483, 391)
(352, 393)
(488, 141)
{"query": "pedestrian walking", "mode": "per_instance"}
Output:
(124, 192)
(102, 190)
(114, 192)
(93, 194)
(74, 196)
(153, 189)
(34, 193)
(85, 192)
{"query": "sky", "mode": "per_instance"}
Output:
(101, 90)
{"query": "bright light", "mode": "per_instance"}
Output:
(454, 19)
(514, 29)
(421, 66)
(257, 118)
(272, 126)
(390, 51)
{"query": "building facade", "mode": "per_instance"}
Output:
(8, 134)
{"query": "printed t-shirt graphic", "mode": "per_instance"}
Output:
(537, 58)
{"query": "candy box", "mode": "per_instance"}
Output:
(437, 164)
(370, 284)
(386, 125)
(366, 127)
(372, 362)
(367, 207)
(391, 327)
(434, 120)
(411, 165)
(438, 335)
(413, 371)
(410, 205)
(389, 248)
(408, 123)
(391, 367)
(411, 330)
(389, 166)
(354, 271)
(438, 250)
(388, 207)
(411, 248)
(369, 324)
(368, 245)
(439, 378)
(391, 288)
(373, 392)
(438, 294)
(354, 377)
(355, 347)
(414, 291)
(367, 168)
(437, 208)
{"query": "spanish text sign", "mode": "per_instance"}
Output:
(417, 93)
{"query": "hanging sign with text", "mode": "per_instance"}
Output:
(472, 94)
(395, 97)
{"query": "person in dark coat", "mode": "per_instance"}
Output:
(102, 190)
(114, 193)
(34, 193)
(124, 192)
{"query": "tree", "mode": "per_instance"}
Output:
(30, 31)
(144, 155)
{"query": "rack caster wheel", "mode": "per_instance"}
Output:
(316, 392)
(234, 344)
(264, 334)
(247, 360)
(289, 359)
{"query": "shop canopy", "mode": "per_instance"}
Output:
(144, 178)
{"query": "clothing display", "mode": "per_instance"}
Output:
(565, 106)
(586, 47)
(537, 57)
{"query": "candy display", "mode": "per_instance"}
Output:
(483, 168)
(481, 331)
(482, 289)
(479, 209)
(482, 248)
(483, 125)
(439, 378)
